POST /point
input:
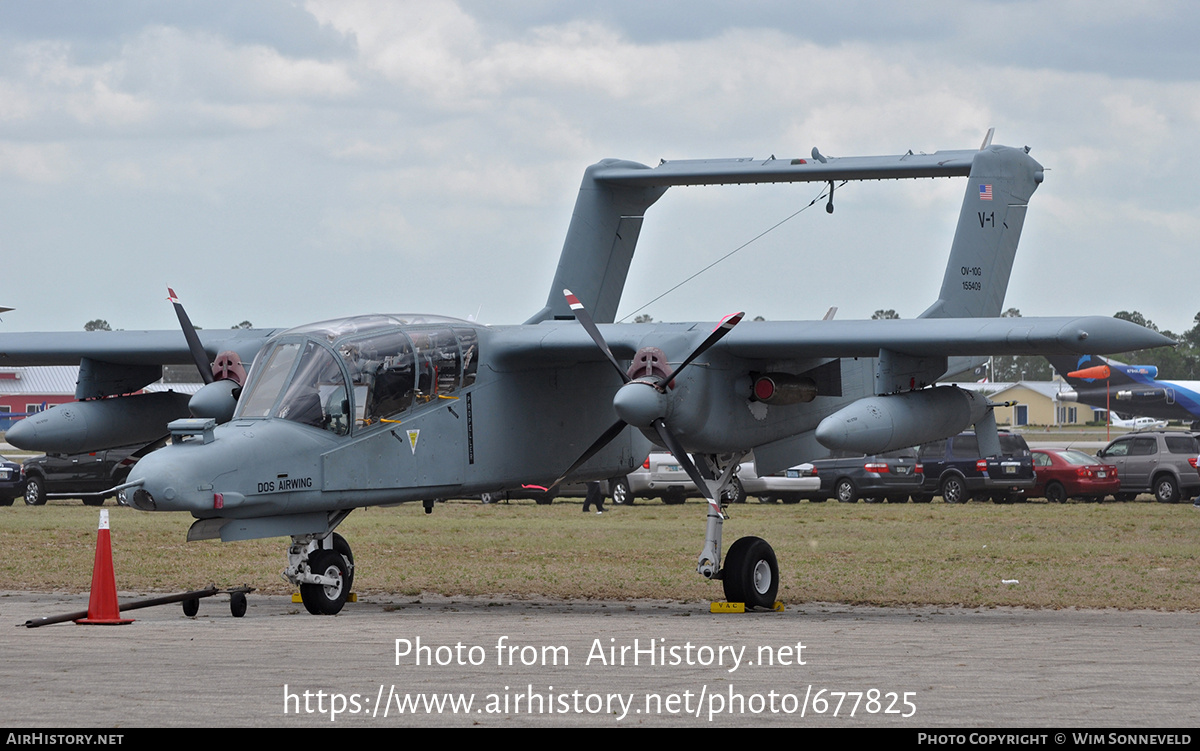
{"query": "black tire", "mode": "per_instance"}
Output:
(790, 499)
(620, 492)
(1056, 493)
(320, 599)
(818, 499)
(7, 501)
(751, 573)
(237, 604)
(1125, 497)
(341, 546)
(1166, 490)
(954, 490)
(674, 498)
(35, 491)
(490, 498)
(922, 498)
(845, 492)
(545, 499)
(734, 492)
(191, 607)
(93, 500)
(897, 499)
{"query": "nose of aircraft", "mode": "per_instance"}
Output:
(171, 480)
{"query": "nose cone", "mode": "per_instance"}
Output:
(171, 480)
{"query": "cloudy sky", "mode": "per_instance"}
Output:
(285, 162)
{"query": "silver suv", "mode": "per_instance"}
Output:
(1155, 461)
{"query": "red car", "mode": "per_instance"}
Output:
(1069, 473)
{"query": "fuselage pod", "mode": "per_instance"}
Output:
(885, 423)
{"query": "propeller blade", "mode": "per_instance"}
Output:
(724, 327)
(592, 450)
(199, 356)
(676, 448)
(589, 326)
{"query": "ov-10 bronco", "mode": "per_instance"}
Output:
(381, 409)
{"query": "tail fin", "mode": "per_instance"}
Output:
(615, 194)
(1001, 181)
(1118, 371)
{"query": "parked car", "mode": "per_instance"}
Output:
(892, 476)
(792, 485)
(1069, 473)
(955, 470)
(12, 485)
(87, 475)
(1155, 461)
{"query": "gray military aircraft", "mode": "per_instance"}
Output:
(381, 409)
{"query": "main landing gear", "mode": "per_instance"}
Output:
(750, 573)
(323, 568)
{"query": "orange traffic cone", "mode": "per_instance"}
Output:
(103, 609)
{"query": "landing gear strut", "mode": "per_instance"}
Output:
(323, 569)
(751, 573)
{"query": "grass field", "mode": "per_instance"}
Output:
(1125, 555)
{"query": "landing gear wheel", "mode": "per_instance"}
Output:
(734, 492)
(954, 490)
(1166, 490)
(237, 604)
(341, 546)
(326, 599)
(93, 500)
(922, 498)
(1056, 493)
(674, 497)
(846, 492)
(751, 573)
(619, 491)
(191, 607)
(35, 492)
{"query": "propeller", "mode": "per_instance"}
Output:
(642, 401)
(223, 378)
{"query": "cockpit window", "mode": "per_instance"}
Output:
(268, 381)
(317, 393)
(397, 370)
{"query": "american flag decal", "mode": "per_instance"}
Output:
(985, 192)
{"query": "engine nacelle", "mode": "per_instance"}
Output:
(99, 424)
(884, 423)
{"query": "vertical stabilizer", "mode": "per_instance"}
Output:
(600, 243)
(1001, 181)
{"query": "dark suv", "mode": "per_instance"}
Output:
(88, 475)
(1155, 461)
(892, 476)
(954, 469)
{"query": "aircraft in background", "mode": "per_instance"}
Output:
(1131, 390)
(383, 409)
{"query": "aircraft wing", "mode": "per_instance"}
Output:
(933, 337)
(531, 347)
(125, 347)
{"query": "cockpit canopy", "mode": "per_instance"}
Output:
(351, 373)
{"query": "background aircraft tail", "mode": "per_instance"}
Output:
(1119, 371)
(1001, 181)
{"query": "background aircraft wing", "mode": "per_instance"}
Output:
(125, 347)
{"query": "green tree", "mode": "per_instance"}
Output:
(881, 315)
(243, 325)
(97, 324)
